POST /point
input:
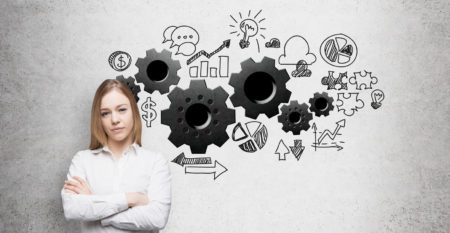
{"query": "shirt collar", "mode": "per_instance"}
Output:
(133, 147)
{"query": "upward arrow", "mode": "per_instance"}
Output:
(328, 133)
(282, 150)
(225, 44)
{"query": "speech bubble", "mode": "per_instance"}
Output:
(184, 34)
(186, 49)
(168, 33)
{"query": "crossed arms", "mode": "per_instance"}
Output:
(113, 209)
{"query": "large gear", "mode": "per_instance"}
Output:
(259, 87)
(198, 116)
(157, 71)
(321, 104)
(295, 117)
(135, 89)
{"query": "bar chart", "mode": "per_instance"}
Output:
(205, 70)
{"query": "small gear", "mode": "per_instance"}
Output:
(321, 104)
(198, 116)
(158, 71)
(135, 89)
(295, 117)
(259, 87)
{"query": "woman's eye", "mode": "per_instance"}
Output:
(104, 114)
(122, 109)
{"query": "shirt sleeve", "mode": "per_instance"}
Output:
(155, 214)
(89, 207)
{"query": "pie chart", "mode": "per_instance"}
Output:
(338, 50)
(253, 136)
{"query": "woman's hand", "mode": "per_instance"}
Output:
(77, 188)
(135, 199)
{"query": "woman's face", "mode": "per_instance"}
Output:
(117, 116)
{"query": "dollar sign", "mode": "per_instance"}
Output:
(122, 63)
(150, 113)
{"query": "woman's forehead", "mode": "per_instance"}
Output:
(113, 99)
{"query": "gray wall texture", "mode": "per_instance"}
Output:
(392, 176)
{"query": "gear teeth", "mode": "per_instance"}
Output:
(198, 149)
(150, 52)
(162, 86)
(240, 98)
(197, 84)
(268, 61)
(166, 53)
(219, 92)
(165, 114)
(249, 62)
(234, 80)
(198, 138)
(272, 112)
(221, 139)
(304, 118)
(319, 112)
(251, 114)
(139, 62)
(235, 100)
(284, 75)
(286, 96)
(135, 89)
(175, 139)
(173, 95)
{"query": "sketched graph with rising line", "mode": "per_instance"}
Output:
(327, 133)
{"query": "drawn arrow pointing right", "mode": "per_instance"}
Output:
(217, 170)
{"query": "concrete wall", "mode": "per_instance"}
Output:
(391, 176)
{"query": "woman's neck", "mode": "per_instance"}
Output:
(118, 147)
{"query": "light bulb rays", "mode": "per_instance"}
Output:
(247, 28)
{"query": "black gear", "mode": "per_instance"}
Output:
(259, 87)
(135, 89)
(198, 116)
(321, 104)
(295, 117)
(158, 71)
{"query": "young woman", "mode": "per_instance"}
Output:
(117, 185)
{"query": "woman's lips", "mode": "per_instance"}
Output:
(117, 129)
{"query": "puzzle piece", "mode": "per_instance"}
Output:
(335, 83)
(349, 103)
(359, 80)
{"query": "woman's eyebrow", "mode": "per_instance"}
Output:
(120, 105)
(116, 107)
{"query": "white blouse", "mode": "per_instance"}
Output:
(106, 209)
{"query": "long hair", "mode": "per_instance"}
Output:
(99, 138)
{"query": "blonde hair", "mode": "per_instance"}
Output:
(99, 138)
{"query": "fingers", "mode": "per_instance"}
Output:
(79, 187)
(73, 186)
(69, 191)
(79, 180)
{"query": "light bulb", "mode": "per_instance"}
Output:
(250, 28)
(377, 97)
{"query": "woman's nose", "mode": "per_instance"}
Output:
(115, 117)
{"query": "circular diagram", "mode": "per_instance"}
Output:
(338, 50)
(255, 136)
